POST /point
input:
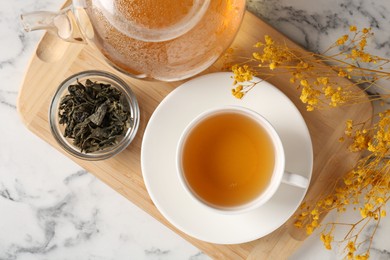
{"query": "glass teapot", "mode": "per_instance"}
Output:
(166, 40)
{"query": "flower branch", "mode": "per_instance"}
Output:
(317, 76)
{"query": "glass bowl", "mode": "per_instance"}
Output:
(122, 141)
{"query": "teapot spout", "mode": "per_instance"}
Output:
(61, 23)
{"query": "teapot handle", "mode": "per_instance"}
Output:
(62, 23)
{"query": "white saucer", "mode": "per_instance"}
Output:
(158, 159)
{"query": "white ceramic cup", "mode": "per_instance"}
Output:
(279, 173)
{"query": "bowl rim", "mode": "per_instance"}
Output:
(116, 82)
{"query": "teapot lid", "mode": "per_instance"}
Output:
(151, 20)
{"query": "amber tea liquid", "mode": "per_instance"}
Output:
(228, 159)
(168, 60)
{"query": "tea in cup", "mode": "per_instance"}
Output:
(231, 159)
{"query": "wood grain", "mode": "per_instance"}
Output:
(55, 60)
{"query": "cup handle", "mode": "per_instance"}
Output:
(295, 180)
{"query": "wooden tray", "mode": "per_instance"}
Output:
(54, 60)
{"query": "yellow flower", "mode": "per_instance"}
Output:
(360, 142)
(329, 201)
(298, 75)
(368, 206)
(268, 40)
(259, 44)
(348, 127)
(309, 229)
(365, 57)
(239, 88)
(327, 240)
(342, 73)
(242, 73)
(323, 80)
(362, 257)
(364, 212)
(304, 83)
(256, 55)
(238, 95)
(351, 247)
(309, 96)
(305, 213)
(272, 65)
(337, 97)
(380, 200)
(303, 65)
(352, 28)
(328, 91)
(355, 53)
(347, 181)
(238, 92)
(298, 224)
(363, 43)
(342, 39)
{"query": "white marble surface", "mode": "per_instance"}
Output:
(50, 208)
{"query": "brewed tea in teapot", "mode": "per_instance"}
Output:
(165, 40)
